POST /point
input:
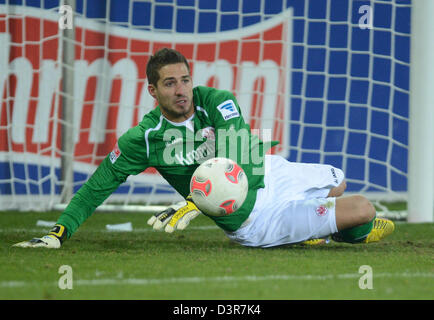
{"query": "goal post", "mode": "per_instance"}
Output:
(67, 41)
(421, 135)
(331, 79)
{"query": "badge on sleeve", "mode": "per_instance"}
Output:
(228, 110)
(114, 155)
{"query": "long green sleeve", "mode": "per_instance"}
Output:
(127, 158)
(101, 184)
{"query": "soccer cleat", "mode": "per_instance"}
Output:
(315, 242)
(382, 228)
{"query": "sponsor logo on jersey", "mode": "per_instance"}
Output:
(204, 152)
(228, 110)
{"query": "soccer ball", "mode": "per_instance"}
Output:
(219, 186)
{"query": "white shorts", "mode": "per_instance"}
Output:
(293, 206)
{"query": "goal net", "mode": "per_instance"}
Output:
(329, 79)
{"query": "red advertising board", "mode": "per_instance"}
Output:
(110, 88)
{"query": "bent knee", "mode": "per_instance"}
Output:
(365, 210)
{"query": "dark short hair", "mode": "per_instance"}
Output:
(160, 59)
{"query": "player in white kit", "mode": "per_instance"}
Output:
(293, 206)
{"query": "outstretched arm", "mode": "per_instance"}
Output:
(128, 158)
(103, 182)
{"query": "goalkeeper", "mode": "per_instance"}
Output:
(286, 203)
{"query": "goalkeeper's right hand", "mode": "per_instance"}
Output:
(175, 217)
(52, 240)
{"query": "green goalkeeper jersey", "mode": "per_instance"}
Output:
(216, 129)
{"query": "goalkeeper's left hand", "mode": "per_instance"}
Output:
(175, 217)
(53, 240)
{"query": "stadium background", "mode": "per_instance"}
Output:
(348, 94)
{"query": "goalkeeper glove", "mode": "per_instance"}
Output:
(52, 240)
(175, 217)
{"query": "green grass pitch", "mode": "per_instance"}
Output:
(201, 263)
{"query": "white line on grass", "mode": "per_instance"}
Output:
(231, 279)
(42, 229)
